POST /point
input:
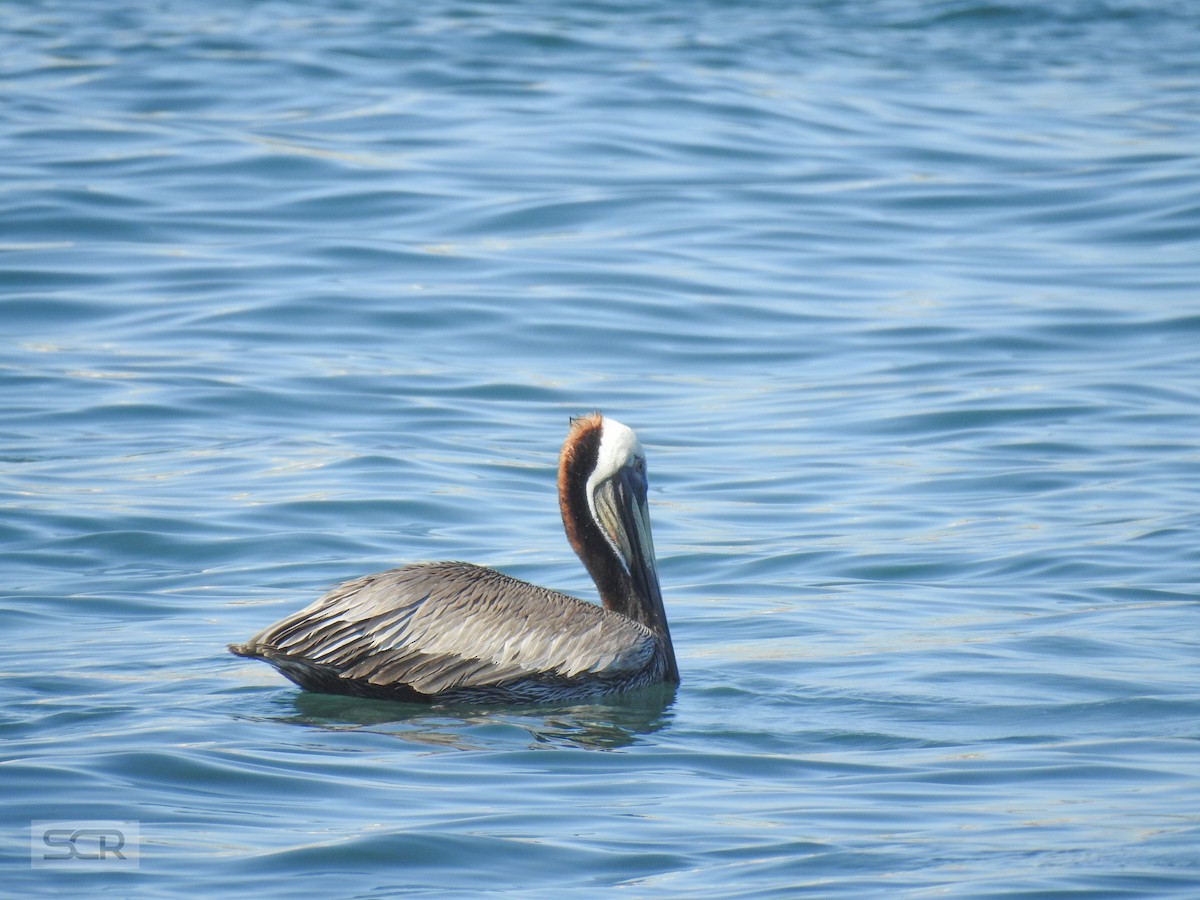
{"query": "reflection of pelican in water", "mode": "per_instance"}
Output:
(602, 723)
(453, 632)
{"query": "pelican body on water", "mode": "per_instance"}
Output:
(452, 632)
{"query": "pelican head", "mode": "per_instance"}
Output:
(602, 495)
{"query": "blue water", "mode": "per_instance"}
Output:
(903, 299)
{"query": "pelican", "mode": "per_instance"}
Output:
(452, 632)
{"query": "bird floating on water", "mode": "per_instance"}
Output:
(452, 632)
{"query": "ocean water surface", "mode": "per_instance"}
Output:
(902, 298)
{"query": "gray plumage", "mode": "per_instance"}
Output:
(456, 632)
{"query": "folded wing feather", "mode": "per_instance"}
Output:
(441, 626)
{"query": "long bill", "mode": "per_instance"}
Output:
(624, 514)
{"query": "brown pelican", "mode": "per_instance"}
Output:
(453, 632)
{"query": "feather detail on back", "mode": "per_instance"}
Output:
(454, 631)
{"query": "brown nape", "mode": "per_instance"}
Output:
(575, 464)
(578, 460)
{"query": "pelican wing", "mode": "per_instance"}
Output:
(441, 626)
